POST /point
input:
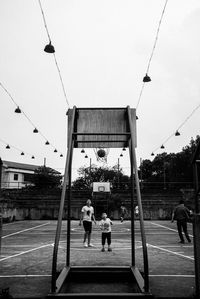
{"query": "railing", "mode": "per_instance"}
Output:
(14, 185)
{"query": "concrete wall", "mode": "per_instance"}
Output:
(26, 206)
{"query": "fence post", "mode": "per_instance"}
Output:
(1, 216)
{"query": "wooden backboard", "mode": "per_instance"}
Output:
(101, 127)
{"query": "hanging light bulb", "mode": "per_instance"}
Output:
(86, 156)
(22, 153)
(177, 133)
(136, 117)
(47, 142)
(124, 149)
(152, 154)
(18, 110)
(82, 151)
(35, 130)
(32, 157)
(55, 151)
(121, 155)
(61, 155)
(8, 146)
(162, 146)
(49, 48)
(146, 78)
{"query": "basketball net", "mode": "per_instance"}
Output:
(101, 154)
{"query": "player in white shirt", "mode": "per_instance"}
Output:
(87, 215)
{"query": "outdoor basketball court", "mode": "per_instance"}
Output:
(27, 248)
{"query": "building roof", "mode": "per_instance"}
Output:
(16, 165)
(22, 166)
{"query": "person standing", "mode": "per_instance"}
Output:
(123, 212)
(105, 226)
(182, 214)
(136, 212)
(87, 215)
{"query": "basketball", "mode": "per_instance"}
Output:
(101, 153)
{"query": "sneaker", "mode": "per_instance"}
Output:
(85, 244)
(182, 242)
(103, 249)
(90, 245)
(109, 249)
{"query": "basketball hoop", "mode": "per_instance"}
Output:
(101, 154)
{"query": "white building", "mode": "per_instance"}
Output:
(16, 175)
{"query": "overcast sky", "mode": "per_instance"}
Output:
(102, 49)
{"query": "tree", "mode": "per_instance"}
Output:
(87, 175)
(46, 177)
(171, 168)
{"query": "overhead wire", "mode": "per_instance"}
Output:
(28, 118)
(152, 52)
(179, 127)
(55, 59)
(16, 148)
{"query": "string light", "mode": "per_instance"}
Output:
(146, 77)
(18, 110)
(35, 130)
(177, 133)
(22, 152)
(50, 49)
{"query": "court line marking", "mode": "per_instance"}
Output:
(25, 275)
(174, 230)
(14, 222)
(49, 275)
(52, 244)
(24, 252)
(171, 275)
(171, 252)
(24, 230)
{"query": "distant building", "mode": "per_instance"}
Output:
(16, 175)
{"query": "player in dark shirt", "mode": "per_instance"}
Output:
(182, 214)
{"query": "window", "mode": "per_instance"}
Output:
(28, 177)
(15, 177)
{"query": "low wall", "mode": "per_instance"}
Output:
(35, 207)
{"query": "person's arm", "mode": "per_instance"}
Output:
(93, 217)
(173, 216)
(101, 225)
(81, 217)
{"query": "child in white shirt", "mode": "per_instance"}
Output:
(105, 226)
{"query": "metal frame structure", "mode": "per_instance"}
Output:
(196, 222)
(97, 135)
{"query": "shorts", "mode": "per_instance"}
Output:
(105, 236)
(87, 226)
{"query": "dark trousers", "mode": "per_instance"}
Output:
(182, 226)
(105, 236)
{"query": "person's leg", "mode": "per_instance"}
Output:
(103, 240)
(184, 225)
(85, 237)
(179, 227)
(122, 217)
(89, 233)
(109, 241)
(89, 238)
